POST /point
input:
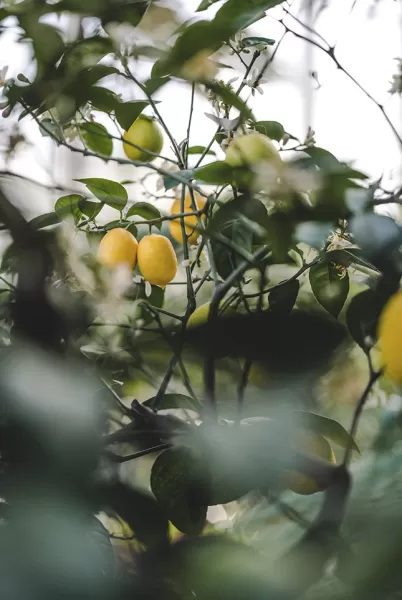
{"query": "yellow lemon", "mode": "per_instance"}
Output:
(314, 445)
(390, 337)
(144, 132)
(190, 222)
(118, 247)
(200, 315)
(156, 259)
(251, 148)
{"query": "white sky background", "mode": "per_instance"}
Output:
(345, 121)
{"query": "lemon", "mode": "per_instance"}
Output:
(390, 337)
(200, 315)
(314, 445)
(251, 148)
(190, 222)
(146, 133)
(118, 247)
(156, 259)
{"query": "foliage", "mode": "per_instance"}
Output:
(77, 336)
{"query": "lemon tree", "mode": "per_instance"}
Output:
(200, 354)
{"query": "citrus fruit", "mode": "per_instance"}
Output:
(251, 148)
(390, 337)
(190, 222)
(200, 315)
(118, 247)
(144, 132)
(314, 445)
(156, 259)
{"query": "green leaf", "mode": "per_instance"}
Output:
(206, 4)
(110, 192)
(91, 75)
(127, 112)
(45, 220)
(170, 182)
(177, 482)
(329, 428)
(217, 173)
(272, 129)
(283, 298)
(280, 235)
(347, 257)
(46, 40)
(200, 150)
(169, 401)
(145, 210)
(249, 42)
(328, 288)
(377, 235)
(68, 206)
(362, 315)
(229, 97)
(89, 208)
(96, 138)
(124, 11)
(139, 510)
(228, 222)
(103, 99)
(243, 13)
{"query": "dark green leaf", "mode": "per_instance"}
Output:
(377, 235)
(139, 510)
(145, 210)
(110, 192)
(283, 298)
(103, 99)
(272, 129)
(155, 83)
(177, 482)
(243, 13)
(349, 256)
(45, 220)
(91, 75)
(127, 112)
(362, 315)
(328, 288)
(228, 222)
(68, 206)
(47, 42)
(89, 208)
(206, 4)
(279, 235)
(169, 401)
(217, 173)
(96, 138)
(199, 150)
(155, 299)
(125, 11)
(170, 182)
(256, 41)
(329, 428)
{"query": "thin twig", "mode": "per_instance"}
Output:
(122, 459)
(374, 375)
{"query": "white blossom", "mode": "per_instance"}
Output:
(255, 81)
(3, 74)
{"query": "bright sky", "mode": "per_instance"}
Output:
(345, 121)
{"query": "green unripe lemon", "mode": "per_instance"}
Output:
(146, 133)
(250, 149)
